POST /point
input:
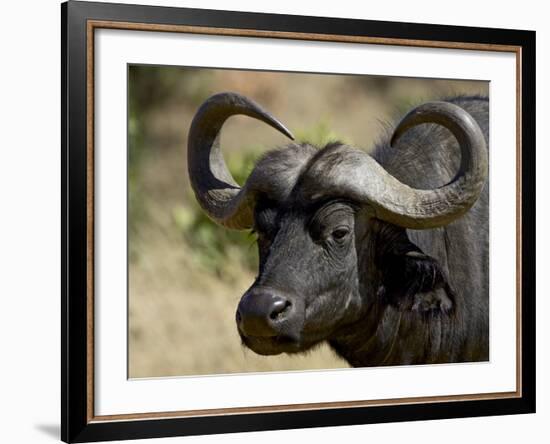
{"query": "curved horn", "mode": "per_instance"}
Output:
(216, 190)
(358, 176)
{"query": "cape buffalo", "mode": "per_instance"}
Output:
(385, 256)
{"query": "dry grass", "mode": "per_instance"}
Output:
(182, 319)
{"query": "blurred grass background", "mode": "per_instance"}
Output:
(186, 274)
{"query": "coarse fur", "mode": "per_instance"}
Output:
(427, 157)
(379, 294)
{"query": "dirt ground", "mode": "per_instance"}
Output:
(181, 315)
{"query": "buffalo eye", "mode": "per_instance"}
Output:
(340, 233)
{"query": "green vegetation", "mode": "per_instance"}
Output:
(214, 247)
(319, 134)
(135, 148)
(149, 89)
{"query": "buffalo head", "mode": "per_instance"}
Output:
(331, 224)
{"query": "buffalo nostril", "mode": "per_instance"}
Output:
(279, 308)
(263, 312)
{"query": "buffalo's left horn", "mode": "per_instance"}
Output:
(216, 190)
(353, 174)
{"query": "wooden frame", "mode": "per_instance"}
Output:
(79, 21)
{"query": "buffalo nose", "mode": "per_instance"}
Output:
(262, 312)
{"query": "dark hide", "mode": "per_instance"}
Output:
(379, 294)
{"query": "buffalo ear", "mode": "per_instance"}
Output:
(410, 279)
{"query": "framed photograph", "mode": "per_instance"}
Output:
(275, 221)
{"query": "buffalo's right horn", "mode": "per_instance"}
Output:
(216, 190)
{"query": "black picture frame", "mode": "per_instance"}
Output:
(77, 425)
